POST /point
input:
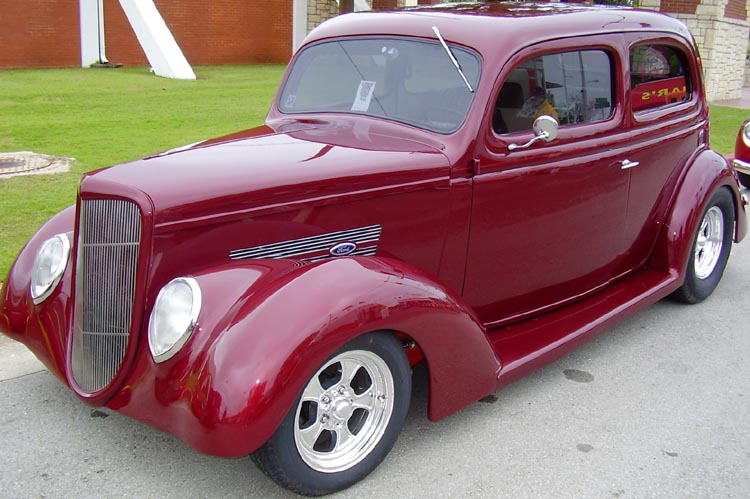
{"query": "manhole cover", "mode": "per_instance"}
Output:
(30, 163)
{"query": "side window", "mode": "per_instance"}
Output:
(572, 87)
(658, 76)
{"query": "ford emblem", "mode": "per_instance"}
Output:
(343, 249)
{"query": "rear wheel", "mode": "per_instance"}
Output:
(711, 247)
(345, 421)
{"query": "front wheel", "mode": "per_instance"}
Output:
(711, 247)
(345, 421)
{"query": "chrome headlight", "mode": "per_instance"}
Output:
(746, 134)
(174, 317)
(49, 266)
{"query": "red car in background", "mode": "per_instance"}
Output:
(741, 160)
(480, 187)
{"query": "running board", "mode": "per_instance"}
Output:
(528, 345)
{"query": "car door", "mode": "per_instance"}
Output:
(547, 219)
(666, 123)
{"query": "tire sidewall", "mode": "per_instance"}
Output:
(696, 289)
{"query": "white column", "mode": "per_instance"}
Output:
(92, 32)
(299, 23)
(157, 41)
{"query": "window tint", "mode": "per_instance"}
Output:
(572, 87)
(658, 76)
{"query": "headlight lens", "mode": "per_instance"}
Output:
(49, 267)
(174, 317)
(746, 134)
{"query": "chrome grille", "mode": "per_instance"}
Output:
(108, 246)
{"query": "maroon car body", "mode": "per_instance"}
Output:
(741, 160)
(484, 260)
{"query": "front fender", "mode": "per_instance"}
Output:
(708, 172)
(262, 335)
(42, 328)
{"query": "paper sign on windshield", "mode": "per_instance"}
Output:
(364, 96)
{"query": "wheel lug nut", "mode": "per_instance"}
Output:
(341, 389)
(324, 419)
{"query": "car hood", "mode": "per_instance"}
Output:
(272, 166)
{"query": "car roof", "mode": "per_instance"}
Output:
(483, 25)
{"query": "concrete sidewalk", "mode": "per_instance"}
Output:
(17, 360)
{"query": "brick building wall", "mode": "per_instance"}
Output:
(680, 6)
(384, 4)
(736, 9)
(39, 33)
(216, 32)
(46, 33)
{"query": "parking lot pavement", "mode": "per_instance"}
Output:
(656, 407)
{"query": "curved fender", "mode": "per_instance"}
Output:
(255, 351)
(707, 172)
(42, 328)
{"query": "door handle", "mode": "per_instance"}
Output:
(626, 164)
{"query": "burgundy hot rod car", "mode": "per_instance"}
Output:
(478, 187)
(741, 160)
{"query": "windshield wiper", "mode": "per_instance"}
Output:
(452, 57)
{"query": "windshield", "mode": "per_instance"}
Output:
(413, 82)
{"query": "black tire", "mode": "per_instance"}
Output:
(703, 273)
(308, 464)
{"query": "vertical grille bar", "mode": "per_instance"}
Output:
(108, 249)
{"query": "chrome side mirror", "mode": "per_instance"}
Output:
(545, 128)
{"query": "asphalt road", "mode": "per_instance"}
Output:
(656, 407)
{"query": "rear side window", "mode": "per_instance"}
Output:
(572, 87)
(658, 76)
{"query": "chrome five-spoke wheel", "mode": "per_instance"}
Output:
(346, 419)
(344, 411)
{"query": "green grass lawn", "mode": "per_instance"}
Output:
(102, 117)
(108, 116)
(725, 123)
